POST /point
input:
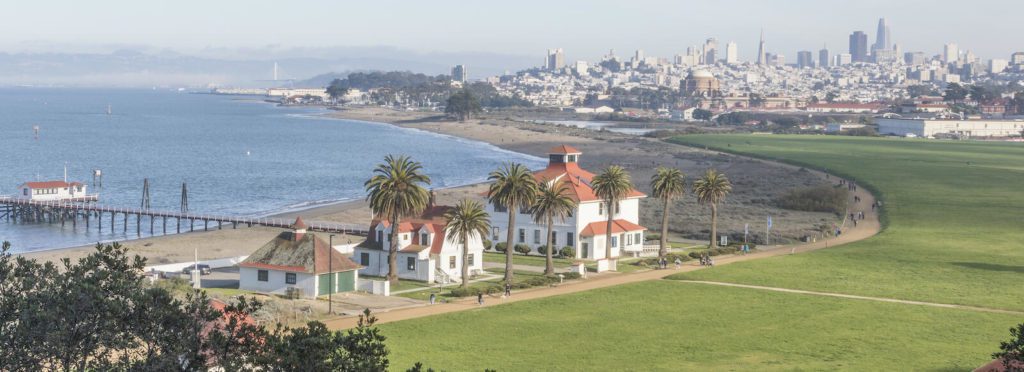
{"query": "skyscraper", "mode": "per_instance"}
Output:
(730, 54)
(859, 46)
(761, 57)
(950, 53)
(710, 47)
(556, 59)
(804, 59)
(883, 39)
(459, 73)
(823, 60)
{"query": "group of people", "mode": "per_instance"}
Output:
(850, 185)
(663, 263)
(706, 260)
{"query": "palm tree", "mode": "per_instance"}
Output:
(512, 186)
(612, 185)
(552, 202)
(711, 189)
(667, 184)
(395, 191)
(467, 218)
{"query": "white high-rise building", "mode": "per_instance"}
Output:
(555, 59)
(996, 66)
(731, 56)
(710, 51)
(950, 53)
(581, 67)
(843, 59)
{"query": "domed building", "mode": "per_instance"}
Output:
(700, 83)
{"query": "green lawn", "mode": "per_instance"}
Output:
(519, 259)
(954, 215)
(954, 222)
(669, 326)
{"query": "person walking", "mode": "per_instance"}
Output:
(678, 263)
(433, 298)
(508, 289)
(480, 299)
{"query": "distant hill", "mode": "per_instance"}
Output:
(147, 67)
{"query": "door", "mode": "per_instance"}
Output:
(346, 281)
(323, 284)
(585, 252)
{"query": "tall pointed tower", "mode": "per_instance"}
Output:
(760, 50)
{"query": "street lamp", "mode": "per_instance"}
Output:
(330, 273)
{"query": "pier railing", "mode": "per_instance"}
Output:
(76, 205)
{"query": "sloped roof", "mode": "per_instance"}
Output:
(50, 184)
(618, 226)
(577, 180)
(432, 220)
(564, 149)
(299, 223)
(309, 254)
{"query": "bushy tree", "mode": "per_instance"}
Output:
(1012, 352)
(462, 104)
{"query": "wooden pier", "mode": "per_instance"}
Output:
(85, 210)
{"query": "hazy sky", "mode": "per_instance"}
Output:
(585, 29)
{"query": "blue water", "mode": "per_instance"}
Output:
(239, 155)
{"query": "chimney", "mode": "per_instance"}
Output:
(299, 228)
(430, 201)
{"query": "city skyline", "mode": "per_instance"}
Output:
(191, 26)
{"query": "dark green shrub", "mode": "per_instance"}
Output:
(652, 236)
(571, 275)
(487, 243)
(568, 252)
(523, 248)
(500, 247)
(695, 254)
(544, 249)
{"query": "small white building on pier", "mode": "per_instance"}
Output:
(51, 190)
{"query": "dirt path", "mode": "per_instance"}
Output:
(866, 228)
(855, 297)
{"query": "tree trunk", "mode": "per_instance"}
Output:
(393, 252)
(508, 244)
(608, 234)
(549, 266)
(663, 250)
(465, 260)
(714, 225)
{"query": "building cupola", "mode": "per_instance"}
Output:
(299, 228)
(563, 154)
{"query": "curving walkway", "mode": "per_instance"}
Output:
(865, 229)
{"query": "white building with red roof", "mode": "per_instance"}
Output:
(424, 251)
(585, 230)
(298, 259)
(51, 190)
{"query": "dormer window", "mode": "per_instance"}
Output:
(424, 238)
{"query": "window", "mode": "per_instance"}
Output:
(405, 237)
(622, 238)
(618, 207)
(536, 236)
(364, 259)
(451, 262)
(495, 234)
(410, 263)
(522, 236)
(615, 241)
(471, 260)
(500, 208)
(600, 209)
(554, 238)
(424, 239)
(25, 192)
(568, 239)
(637, 238)
(380, 236)
(289, 278)
(629, 239)
(262, 275)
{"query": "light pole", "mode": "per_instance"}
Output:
(330, 273)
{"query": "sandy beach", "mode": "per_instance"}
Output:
(755, 184)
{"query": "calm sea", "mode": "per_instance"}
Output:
(239, 155)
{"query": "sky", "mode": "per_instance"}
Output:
(585, 29)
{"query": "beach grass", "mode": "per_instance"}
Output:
(952, 213)
(673, 326)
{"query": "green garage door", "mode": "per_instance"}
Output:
(347, 281)
(323, 284)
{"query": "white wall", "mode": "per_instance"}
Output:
(249, 281)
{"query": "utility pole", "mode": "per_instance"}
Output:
(330, 272)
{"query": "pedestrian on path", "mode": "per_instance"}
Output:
(508, 289)
(480, 299)
(678, 263)
(433, 298)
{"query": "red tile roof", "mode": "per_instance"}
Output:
(564, 149)
(50, 184)
(299, 224)
(577, 179)
(618, 226)
(432, 220)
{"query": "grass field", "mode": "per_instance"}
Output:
(519, 259)
(669, 325)
(954, 218)
(954, 214)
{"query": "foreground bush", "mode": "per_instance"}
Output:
(501, 247)
(523, 248)
(568, 252)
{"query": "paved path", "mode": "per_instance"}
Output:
(865, 229)
(856, 297)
